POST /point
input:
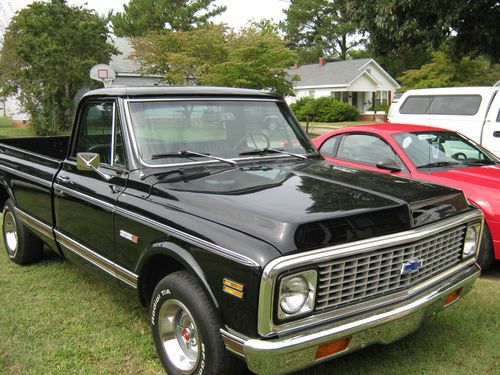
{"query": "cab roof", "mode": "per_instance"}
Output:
(193, 91)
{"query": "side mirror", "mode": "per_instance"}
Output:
(390, 165)
(89, 161)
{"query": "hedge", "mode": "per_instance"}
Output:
(326, 109)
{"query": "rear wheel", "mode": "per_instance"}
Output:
(486, 256)
(22, 246)
(185, 329)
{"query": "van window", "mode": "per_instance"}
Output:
(458, 105)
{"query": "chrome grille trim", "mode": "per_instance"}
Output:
(268, 327)
(355, 278)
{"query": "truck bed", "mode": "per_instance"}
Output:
(52, 147)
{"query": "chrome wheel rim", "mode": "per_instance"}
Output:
(10, 233)
(179, 336)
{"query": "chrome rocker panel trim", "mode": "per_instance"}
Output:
(266, 326)
(297, 351)
(97, 260)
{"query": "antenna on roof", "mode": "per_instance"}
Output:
(103, 73)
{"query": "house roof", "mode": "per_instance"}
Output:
(338, 73)
(122, 64)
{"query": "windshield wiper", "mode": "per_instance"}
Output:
(480, 162)
(187, 153)
(266, 150)
(438, 164)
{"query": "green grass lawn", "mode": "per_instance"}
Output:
(57, 319)
(335, 125)
(8, 131)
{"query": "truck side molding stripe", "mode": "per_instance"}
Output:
(97, 260)
(35, 224)
(162, 227)
(189, 238)
(41, 181)
(87, 198)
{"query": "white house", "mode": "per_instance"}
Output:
(357, 82)
(127, 70)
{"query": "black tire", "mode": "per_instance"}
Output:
(192, 333)
(486, 256)
(22, 246)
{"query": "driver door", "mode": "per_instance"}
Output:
(84, 201)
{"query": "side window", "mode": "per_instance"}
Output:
(415, 105)
(363, 148)
(456, 105)
(498, 116)
(95, 134)
(328, 147)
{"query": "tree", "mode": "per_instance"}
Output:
(48, 51)
(142, 16)
(408, 31)
(443, 72)
(476, 29)
(216, 56)
(320, 28)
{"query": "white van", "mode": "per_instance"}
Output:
(472, 111)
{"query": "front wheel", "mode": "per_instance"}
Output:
(185, 329)
(486, 254)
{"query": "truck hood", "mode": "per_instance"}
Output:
(298, 206)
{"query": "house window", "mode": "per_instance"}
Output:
(311, 93)
(342, 96)
(381, 97)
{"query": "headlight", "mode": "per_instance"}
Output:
(296, 294)
(471, 240)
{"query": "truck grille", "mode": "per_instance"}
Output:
(355, 278)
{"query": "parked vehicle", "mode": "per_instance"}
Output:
(472, 111)
(430, 154)
(241, 249)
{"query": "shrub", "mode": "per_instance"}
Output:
(382, 108)
(326, 109)
(300, 108)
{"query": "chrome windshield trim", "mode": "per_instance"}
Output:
(135, 147)
(266, 326)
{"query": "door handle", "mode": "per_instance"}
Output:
(496, 134)
(65, 179)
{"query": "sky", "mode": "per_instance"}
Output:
(238, 12)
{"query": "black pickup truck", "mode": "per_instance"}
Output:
(246, 245)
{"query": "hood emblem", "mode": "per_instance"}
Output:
(412, 265)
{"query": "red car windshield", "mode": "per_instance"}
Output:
(442, 149)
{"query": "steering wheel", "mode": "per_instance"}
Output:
(459, 156)
(243, 141)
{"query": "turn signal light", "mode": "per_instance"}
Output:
(332, 348)
(453, 296)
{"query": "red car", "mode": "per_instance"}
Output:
(426, 153)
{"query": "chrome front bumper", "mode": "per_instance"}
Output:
(297, 351)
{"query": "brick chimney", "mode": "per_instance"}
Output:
(322, 61)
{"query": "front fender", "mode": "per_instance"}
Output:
(181, 256)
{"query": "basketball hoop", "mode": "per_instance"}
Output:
(103, 73)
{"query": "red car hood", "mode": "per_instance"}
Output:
(487, 176)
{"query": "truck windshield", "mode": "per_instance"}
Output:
(172, 132)
(442, 149)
